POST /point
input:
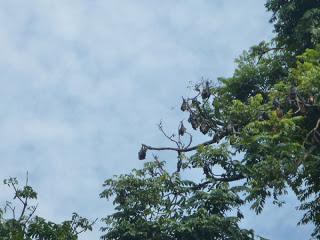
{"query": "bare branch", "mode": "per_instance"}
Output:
(214, 180)
(216, 138)
(190, 140)
(34, 208)
(8, 205)
(268, 50)
(27, 178)
(16, 193)
(171, 138)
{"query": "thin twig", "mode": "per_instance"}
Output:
(167, 136)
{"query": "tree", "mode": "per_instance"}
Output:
(296, 23)
(263, 129)
(153, 204)
(25, 225)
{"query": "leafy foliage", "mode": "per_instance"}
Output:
(296, 23)
(153, 204)
(263, 129)
(27, 226)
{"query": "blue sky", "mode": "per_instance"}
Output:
(84, 82)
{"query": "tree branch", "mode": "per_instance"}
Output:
(216, 138)
(222, 179)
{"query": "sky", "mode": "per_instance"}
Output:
(85, 82)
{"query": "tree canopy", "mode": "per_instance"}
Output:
(263, 129)
(19, 221)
